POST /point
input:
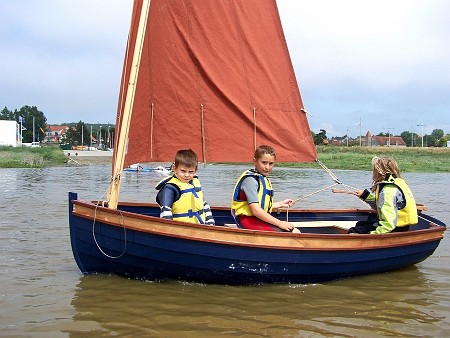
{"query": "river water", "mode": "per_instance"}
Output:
(43, 294)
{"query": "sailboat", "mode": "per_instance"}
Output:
(216, 77)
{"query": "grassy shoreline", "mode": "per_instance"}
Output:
(427, 160)
(26, 157)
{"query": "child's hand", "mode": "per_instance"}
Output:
(287, 203)
(286, 226)
(358, 192)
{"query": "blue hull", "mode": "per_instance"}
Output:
(100, 247)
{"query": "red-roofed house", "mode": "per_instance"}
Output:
(54, 134)
(382, 141)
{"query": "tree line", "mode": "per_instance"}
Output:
(24, 116)
(77, 133)
(437, 138)
(85, 134)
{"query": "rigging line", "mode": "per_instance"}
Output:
(306, 112)
(151, 130)
(329, 172)
(203, 134)
(315, 192)
(95, 238)
(306, 196)
(254, 128)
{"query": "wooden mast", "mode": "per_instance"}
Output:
(120, 150)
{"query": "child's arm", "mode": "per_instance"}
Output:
(165, 198)
(209, 219)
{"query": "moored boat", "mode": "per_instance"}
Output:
(157, 170)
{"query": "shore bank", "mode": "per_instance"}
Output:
(427, 160)
(84, 157)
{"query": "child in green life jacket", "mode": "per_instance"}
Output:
(391, 197)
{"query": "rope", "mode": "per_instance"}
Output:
(328, 171)
(95, 239)
(254, 128)
(315, 192)
(337, 182)
(203, 134)
(151, 131)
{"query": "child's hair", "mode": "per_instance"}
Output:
(264, 149)
(186, 157)
(383, 166)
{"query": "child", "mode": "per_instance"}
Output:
(394, 201)
(252, 200)
(180, 196)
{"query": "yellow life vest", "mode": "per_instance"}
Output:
(407, 215)
(189, 207)
(265, 194)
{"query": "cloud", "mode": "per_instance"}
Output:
(383, 62)
(64, 57)
(379, 61)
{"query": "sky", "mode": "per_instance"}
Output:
(378, 66)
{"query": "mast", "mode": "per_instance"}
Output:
(121, 145)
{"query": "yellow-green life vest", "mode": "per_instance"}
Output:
(265, 194)
(407, 215)
(189, 207)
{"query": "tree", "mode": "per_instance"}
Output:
(437, 133)
(78, 135)
(409, 138)
(34, 128)
(6, 114)
(431, 141)
(320, 137)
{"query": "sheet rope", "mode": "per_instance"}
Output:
(336, 180)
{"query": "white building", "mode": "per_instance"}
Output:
(10, 133)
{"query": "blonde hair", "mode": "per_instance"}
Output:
(383, 166)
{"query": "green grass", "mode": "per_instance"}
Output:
(428, 160)
(26, 157)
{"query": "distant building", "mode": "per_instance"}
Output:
(370, 141)
(388, 141)
(10, 134)
(382, 141)
(55, 134)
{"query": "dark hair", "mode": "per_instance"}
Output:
(186, 157)
(264, 149)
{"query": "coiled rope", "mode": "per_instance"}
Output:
(95, 238)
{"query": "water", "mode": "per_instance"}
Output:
(43, 294)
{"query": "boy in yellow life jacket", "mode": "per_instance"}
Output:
(180, 196)
(252, 201)
(393, 200)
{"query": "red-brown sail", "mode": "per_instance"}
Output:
(216, 77)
